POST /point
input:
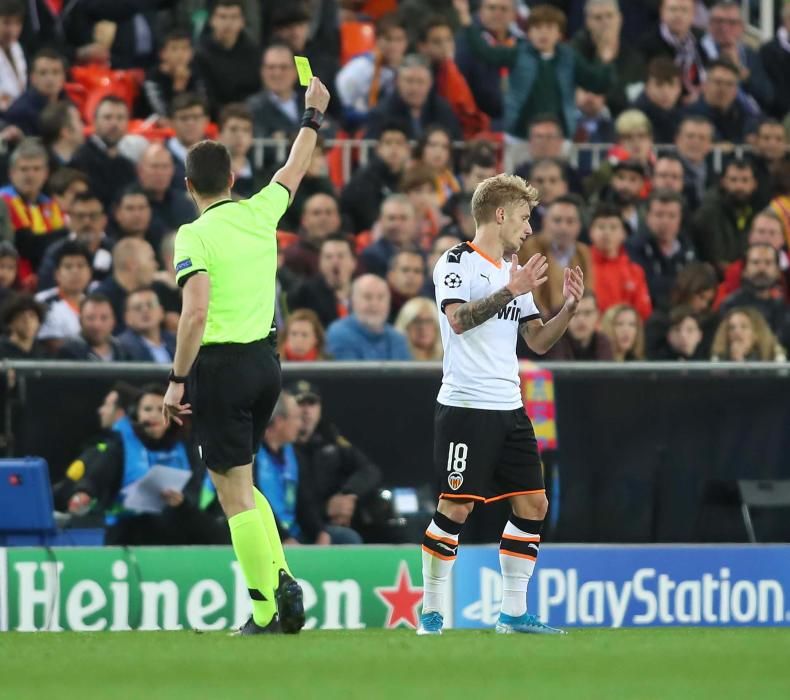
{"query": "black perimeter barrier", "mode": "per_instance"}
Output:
(648, 452)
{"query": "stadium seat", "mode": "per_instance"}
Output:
(355, 38)
(99, 81)
(285, 239)
(764, 493)
(362, 240)
(376, 8)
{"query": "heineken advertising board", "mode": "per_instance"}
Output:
(151, 588)
(94, 589)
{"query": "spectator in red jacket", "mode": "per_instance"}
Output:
(435, 41)
(618, 280)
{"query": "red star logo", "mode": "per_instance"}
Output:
(401, 599)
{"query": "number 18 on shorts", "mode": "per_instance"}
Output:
(456, 464)
(485, 455)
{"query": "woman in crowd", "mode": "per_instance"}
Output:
(419, 322)
(303, 338)
(625, 330)
(695, 286)
(744, 336)
(435, 151)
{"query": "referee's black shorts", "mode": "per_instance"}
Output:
(233, 388)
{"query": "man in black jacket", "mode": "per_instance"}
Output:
(770, 151)
(95, 342)
(278, 473)
(189, 115)
(719, 228)
(88, 223)
(226, 58)
(415, 102)
(47, 77)
(661, 249)
(170, 206)
(343, 479)
(144, 339)
(603, 24)
(495, 20)
(719, 102)
(675, 37)
(275, 108)
(329, 292)
(370, 185)
(100, 158)
(694, 142)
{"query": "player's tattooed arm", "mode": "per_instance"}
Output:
(522, 280)
(471, 314)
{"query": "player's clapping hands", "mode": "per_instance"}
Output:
(572, 287)
(527, 278)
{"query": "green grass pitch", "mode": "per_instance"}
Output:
(463, 665)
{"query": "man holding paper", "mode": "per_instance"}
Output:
(226, 262)
(147, 480)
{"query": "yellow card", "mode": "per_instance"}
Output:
(304, 70)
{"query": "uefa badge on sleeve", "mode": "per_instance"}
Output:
(452, 280)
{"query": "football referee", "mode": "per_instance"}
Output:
(226, 262)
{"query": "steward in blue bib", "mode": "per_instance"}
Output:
(138, 443)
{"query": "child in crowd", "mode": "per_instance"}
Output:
(618, 280)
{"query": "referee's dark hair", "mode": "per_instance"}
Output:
(208, 168)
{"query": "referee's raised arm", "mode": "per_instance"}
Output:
(316, 101)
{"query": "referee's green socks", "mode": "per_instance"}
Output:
(251, 545)
(278, 556)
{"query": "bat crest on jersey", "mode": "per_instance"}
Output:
(452, 280)
(455, 480)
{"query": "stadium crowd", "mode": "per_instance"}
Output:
(682, 228)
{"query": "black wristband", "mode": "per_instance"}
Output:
(312, 118)
(172, 377)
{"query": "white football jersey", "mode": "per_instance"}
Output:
(480, 365)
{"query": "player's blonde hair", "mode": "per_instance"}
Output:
(501, 191)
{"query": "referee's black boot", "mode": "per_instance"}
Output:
(250, 627)
(290, 603)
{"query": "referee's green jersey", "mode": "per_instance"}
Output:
(236, 244)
